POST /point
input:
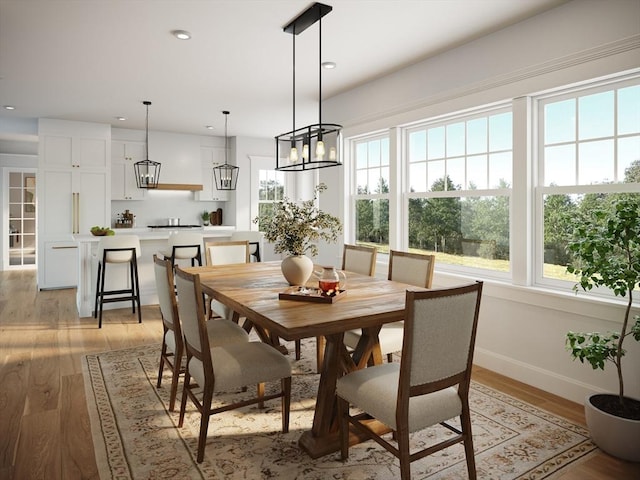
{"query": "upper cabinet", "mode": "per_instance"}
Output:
(123, 181)
(210, 157)
(69, 151)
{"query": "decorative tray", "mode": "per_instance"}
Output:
(306, 294)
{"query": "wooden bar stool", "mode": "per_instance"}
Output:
(119, 249)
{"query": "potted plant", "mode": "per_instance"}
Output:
(206, 217)
(294, 229)
(606, 253)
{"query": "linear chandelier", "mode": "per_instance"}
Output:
(316, 145)
(147, 171)
(226, 176)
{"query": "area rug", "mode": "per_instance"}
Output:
(136, 437)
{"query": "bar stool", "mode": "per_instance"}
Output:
(119, 249)
(183, 245)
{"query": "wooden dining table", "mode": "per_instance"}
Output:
(252, 291)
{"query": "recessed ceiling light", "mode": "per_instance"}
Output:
(9, 107)
(181, 34)
(209, 127)
(121, 119)
(328, 65)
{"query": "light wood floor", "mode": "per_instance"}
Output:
(44, 424)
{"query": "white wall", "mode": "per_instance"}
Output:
(522, 329)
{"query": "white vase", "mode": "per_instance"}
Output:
(297, 269)
(617, 436)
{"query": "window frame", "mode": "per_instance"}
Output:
(540, 189)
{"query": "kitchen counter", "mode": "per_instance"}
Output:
(152, 240)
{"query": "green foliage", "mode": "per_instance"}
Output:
(606, 253)
(205, 216)
(295, 228)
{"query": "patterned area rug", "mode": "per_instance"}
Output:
(135, 437)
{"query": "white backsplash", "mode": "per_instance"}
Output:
(160, 205)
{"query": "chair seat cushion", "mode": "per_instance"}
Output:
(375, 390)
(390, 337)
(242, 364)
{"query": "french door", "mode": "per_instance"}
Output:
(20, 228)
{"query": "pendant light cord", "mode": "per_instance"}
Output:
(294, 87)
(320, 76)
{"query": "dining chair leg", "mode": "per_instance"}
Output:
(298, 349)
(286, 403)
(260, 395)
(343, 409)
(177, 363)
(465, 421)
(403, 450)
(162, 354)
(183, 402)
(204, 424)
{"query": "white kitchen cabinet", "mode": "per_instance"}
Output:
(69, 152)
(74, 194)
(210, 157)
(61, 264)
(123, 180)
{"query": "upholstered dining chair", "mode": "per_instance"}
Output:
(355, 258)
(182, 246)
(413, 268)
(226, 368)
(220, 331)
(255, 239)
(224, 253)
(429, 386)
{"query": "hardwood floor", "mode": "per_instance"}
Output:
(44, 424)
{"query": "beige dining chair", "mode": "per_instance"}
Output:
(429, 386)
(355, 258)
(412, 268)
(224, 253)
(227, 368)
(255, 239)
(220, 331)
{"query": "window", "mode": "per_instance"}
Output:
(22, 218)
(589, 152)
(270, 191)
(459, 175)
(371, 192)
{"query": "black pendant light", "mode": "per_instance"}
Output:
(316, 145)
(147, 171)
(225, 176)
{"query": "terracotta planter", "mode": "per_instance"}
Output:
(297, 269)
(617, 436)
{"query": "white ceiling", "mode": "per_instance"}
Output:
(95, 60)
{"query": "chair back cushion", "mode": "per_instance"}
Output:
(190, 310)
(439, 332)
(176, 239)
(359, 259)
(166, 296)
(226, 253)
(412, 268)
(118, 241)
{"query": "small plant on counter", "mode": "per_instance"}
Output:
(206, 216)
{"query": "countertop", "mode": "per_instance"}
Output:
(145, 233)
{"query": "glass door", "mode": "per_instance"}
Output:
(22, 219)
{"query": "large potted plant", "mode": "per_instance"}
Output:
(605, 252)
(295, 229)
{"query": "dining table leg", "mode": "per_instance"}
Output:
(324, 436)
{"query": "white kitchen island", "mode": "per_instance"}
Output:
(151, 241)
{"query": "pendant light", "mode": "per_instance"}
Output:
(226, 176)
(147, 171)
(316, 145)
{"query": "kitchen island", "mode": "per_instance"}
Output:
(151, 241)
